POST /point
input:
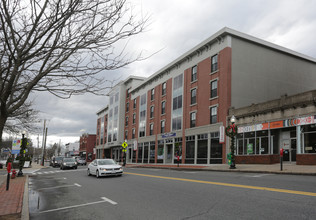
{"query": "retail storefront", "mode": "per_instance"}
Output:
(261, 142)
(197, 149)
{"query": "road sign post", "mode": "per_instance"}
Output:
(124, 145)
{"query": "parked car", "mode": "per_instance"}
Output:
(68, 162)
(2, 163)
(57, 162)
(81, 161)
(104, 167)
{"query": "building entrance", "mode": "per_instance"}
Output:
(169, 153)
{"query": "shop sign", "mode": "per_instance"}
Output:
(306, 120)
(250, 149)
(299, 121)
(221, 134)
(16, 145)
(166, 135)
(135, 145)
(276, 124)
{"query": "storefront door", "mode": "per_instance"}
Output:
(168, 155)
(293, 149)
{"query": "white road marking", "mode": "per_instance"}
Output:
(54, 187)
(39, 173)
(260, 175)
(63, 178)
(76, 184)
(109, 200)
(104, 199)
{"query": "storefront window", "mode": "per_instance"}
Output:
(250, 143)
(160, 152)
(240, 144)
(309, 136)
(274, 140)
(202, 149)
(177, 150)
(152, 152)
(134, 154)
(189, 149)
(262, 142)
(146, 148)
(140, 153)
(216, 149)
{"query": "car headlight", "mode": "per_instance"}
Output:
(121, 169)
(75, 163)
(64, 164)
(103, 169)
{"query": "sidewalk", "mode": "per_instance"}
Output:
(14, 202)
(288, 168)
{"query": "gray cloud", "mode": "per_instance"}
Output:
(177, 26)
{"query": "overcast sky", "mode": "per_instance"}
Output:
(176, 27)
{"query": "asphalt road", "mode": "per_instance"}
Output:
(170, 194)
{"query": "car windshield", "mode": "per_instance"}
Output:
(69, 160)
(58, 158)
(106, 162)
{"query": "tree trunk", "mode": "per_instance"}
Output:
(2, 123)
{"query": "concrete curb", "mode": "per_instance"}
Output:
(25, 215)
(228, 170)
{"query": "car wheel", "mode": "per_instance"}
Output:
(60, 167)
(75, 168)
(88, 172)
(97, 174)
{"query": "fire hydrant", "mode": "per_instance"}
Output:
(13, 174)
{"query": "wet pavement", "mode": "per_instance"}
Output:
(14, 203)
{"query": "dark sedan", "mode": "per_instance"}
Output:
(68, 162)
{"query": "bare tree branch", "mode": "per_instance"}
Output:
(61, 46)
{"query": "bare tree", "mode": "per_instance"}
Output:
(61, 46)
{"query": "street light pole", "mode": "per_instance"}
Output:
(22, 153)
(231, 131)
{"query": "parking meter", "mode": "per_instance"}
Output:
(8, 177)
(281, 152)
(281, 158)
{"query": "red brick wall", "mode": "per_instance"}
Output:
(258, 159)
(306, 159)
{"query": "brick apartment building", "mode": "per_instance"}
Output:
(182, 108)
(86, 145)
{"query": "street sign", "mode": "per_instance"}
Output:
(124, 145)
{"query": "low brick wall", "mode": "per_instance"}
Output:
(306, 159)
(258, 159)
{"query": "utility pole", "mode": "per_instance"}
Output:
(43, 145)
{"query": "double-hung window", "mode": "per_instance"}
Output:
(126, 121)
(162, 123)
(151, 111)
(214, 89)
(151, 129)
(134, 106)
(133, 133)
(134, 118)
(194, 74)
(214, 65)
(193, 96)
(127, 107)
(192, 119)
(152, 95)
(213, 115)
(163, 108)
(164, 88)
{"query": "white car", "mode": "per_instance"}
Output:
(104, 167)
